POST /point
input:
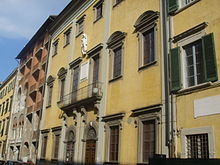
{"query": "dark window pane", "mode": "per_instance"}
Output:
(114, 142)
(149, 47)
(117, 62)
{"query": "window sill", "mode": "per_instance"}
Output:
(147, 65)
(79, 34)
(185, 7)
(194, 88)
(116, 78)
(98, 19)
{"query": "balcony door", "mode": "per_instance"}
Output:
(75, 83)
(95, 74)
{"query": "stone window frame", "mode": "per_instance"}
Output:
(115, 41)
(110, 121)
(150, 113)
(67, 37)
(55, 47)
(56, 131)
(95, 9)
(50, 83)
(93, 53)
(201, 130)
(146, 22)
(116, 2)
(80, 22)
(62, 73)
(44, 133)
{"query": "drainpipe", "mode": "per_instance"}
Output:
(166, 74)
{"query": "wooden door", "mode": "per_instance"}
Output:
(90, 152)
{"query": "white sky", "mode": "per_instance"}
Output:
(22, 18)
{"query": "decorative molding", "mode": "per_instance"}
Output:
(146, 110)
(95, 49)
(45, 131)
(115, 38)
(117, 116)
(75, 62)
(145, 19)
(62, 73)
(189, 32)
(58, 128)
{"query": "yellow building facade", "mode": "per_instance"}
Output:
(104, 97)
(195, 81)
(6, 98)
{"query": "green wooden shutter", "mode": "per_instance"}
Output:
(175, 70)
(172, 6)
(209, 58)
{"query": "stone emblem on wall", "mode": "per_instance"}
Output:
(84, 44)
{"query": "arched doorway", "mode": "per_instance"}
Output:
(70, 146)
(90, 154)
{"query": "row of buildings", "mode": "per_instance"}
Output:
(116, 82)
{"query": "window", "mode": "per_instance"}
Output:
(11, 99)
(98, 10)
(55, 47)
(146, 29)
(56, 145)
(3, 108)
(114, 141)
(148, 148)
(117, 53)
(193, 62)
(50, 81)
(56, 142)
(62, 76)
(44, 146)
(175, 5)
(197, 146)
(80, 26)
(197, 143)
(148, 119)
(62, 88)
(113, 127)
(116, 47)
(6, 107)
(67, 37)
(50, 92)
(7, 126)
(3, 128)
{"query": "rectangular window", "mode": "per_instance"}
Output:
(56, 145)
(96, 69)
(114, 143)
(44, 146)
(148, 143)
(149, 47)
(49, 98)
(98, 10)
(10, 106)
(194, 64)
(62, 88)
(7, 126)
(67, 37)
(3, 108)
(3, 128)
(197, 146)
(6, 106)
(80, 26)
(117, 62)
(55, 47)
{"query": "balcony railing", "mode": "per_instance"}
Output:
(85, 95)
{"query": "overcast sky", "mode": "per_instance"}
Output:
(19, 20)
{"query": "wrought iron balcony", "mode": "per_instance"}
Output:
(86, 95)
